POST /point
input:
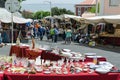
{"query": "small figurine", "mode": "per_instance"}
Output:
(18, 41)
(72, 69)
(33, 43)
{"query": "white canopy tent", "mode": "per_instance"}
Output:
(114, 19)
(5, 17)
(67, 16)
(96, 19)
(88, 14)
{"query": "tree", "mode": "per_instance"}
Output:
(93, 9)
(41, 14)
(2, 3)
(59, 11)
(27, 14)
(55, 11)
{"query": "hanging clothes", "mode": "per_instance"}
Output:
(5, 37)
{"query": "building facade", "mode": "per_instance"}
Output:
(109, 7)
(84, 6)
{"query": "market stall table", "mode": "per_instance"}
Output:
(1, 76)
(33, 53)
(46, 55)
(78, 76)
(50, 56)
(19, 51)
(55, 57)
(111, 40)
(90, 58)
(49, 72)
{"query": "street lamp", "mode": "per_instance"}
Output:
(50, 11)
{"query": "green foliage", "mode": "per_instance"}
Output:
(93, 9)
(59, 11)
(54, 11)
(40, 14)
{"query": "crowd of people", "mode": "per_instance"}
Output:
(38, 30)
(53, 33)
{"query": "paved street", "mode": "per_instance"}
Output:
(111, 53)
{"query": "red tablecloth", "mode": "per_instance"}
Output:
(19, 51)
(56, 57)
(80, 76)
(98, 59)
(33, 54)
(50, 56)
(1, 76)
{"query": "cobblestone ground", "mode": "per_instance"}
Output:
(111, 53)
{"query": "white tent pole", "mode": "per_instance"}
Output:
(12, 27)
(96, 7)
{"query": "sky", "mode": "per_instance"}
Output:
(34, 5)
(52, 1)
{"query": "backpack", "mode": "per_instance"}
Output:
(56, 31)
(52, 32)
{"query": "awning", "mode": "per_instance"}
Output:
(5, 17)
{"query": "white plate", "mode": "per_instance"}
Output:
(90, 54)
(1, 72)
(93, 66)
(42, 48)
(39, 70)
(75, 57)
(66, 50)
(66, 54)
(65, 72)
(57, 67)
(94, 56)
(106, 65)
(102, 71)
(47, 72)
(58, 72)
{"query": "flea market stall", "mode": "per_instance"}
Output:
(60, 64)
(19, 23)
(110, 32)
(48, 62)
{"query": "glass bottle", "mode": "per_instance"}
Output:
(95, 59)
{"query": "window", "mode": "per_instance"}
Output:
(79, 11)
(85, 9)
(114, 2)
